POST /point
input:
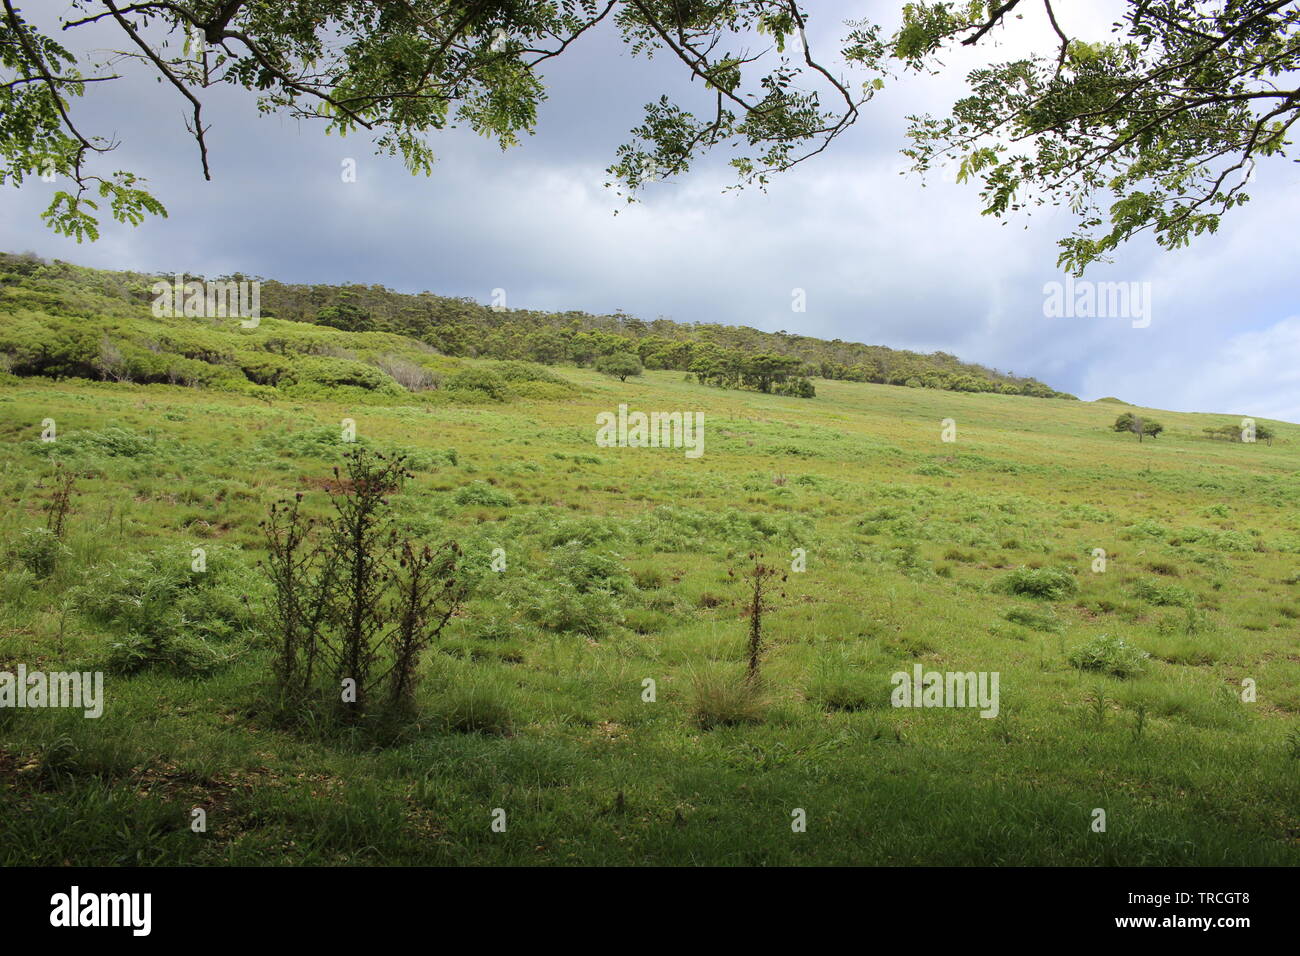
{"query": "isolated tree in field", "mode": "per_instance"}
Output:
(1143, 428)
(1156, 126)
(620, 365)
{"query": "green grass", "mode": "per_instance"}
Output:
(970, 556)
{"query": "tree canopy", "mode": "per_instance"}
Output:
(1156, 128)
(619, 364)
(1142, 427)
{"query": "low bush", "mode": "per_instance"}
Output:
(725, 699)
(112, 442)
(1110, 655)
(1037, 620)
(39, 550)
(1164, 595)
(168, 613)
(1049, 583)
(481, 493)
(481, 382)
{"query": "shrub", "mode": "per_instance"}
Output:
(324, 443)
(1164, 595)
(526, 372)
(360, 598)
(481, 493)
(1049, 583)
(301, 579)
(1028, 617)
(1147, 528)
(408, 374)
(179, 653)
(561, 607)
(1109, 655)
(482, 381)
(113, 442)
(325, 372)
(426, 596)
(492, 624)
(586, 530)
(424, 459)
(648, 579)
(1225, 540)
(60, 503)
(934, 471)
(798, 387)
(587, 570)
(39, 551)
(725, 700)
(169, 614)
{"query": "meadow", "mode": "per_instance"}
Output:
(1126, 689)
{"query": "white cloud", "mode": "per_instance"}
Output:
(1255, 373)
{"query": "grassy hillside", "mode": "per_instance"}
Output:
(63, 319)
(617, 571)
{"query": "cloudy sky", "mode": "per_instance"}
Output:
(884, 258)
